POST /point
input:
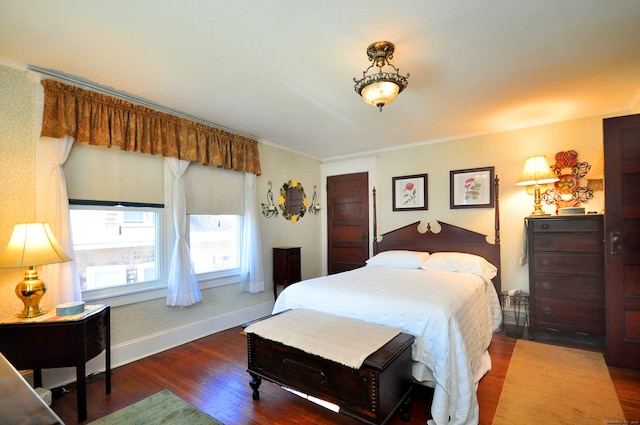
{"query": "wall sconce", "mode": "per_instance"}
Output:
(382, 87)
(595, 176)
(314, 208)
(536, 171)
(269, 209)
(30, 245)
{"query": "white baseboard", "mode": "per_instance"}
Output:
(152, 344)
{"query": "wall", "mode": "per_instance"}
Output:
(279, 166)
(17, 169)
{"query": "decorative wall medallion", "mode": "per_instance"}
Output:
(567, 192)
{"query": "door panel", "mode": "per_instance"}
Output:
(622, 259)
(347, 221)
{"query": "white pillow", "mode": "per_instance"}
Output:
(400, 259)
(460, 262)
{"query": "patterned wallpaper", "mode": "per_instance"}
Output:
(17, 166)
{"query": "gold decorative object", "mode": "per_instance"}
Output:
(381, 88)
(536, 171)
(30, 245)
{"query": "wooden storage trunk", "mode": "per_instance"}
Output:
(371, 394)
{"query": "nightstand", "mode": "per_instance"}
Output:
(286, 267)
(51, 341)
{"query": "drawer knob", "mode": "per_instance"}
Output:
(546, 285)
(545, 263)
(545, 242)
(544, 226)
(547, 310)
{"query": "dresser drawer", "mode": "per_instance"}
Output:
(583, 264)
(570, 316)
(575, 288)
(577, 242)
(571, 225)
(96, 337)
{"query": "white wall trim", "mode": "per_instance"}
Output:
(155, 343)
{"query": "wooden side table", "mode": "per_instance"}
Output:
(286, 267)
(51, 341)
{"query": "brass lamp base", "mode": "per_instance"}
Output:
(30, 292)
(537, 202)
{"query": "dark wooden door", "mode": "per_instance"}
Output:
(622, 240)
(347, 221)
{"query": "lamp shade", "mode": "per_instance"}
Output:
(32, 244)
(536, 171)
(596, 172)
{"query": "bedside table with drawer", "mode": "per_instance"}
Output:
(566, 277)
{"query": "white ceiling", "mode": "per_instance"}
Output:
(282, 70)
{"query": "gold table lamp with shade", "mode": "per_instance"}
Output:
(536, 171)
(31, 245)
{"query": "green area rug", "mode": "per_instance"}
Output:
(161, 408)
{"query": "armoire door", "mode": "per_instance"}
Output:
(622, 240)
(347, 222)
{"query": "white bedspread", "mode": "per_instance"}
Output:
(451, 315)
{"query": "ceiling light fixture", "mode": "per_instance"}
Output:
(381, 88)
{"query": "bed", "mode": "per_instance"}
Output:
(441, 287)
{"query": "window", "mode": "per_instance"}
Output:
(214, 242)
(116, 246)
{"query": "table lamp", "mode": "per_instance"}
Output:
(30, 245)
(536, 171)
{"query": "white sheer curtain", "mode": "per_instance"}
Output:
(63, 282)
(183, 288)
(251, 274)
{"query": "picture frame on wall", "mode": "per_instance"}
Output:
(472, 188)
(410, 192)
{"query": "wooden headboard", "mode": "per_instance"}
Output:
(449, 239)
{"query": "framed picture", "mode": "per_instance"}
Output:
(410, 192)
(472, 188)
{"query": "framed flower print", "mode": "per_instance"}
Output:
(410, 192)
(472, 188)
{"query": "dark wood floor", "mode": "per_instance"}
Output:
(211, 374)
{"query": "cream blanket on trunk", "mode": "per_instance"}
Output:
(340, 339)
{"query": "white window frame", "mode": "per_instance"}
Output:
(126, 294)
(213, 279)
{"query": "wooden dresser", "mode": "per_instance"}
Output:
(566, 279)
(286, 267)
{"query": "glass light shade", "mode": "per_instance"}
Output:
(380, 93)
(536, 171)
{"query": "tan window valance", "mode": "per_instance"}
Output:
(98, 119)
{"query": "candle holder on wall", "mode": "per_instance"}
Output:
(315, 206)
(269, 209)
